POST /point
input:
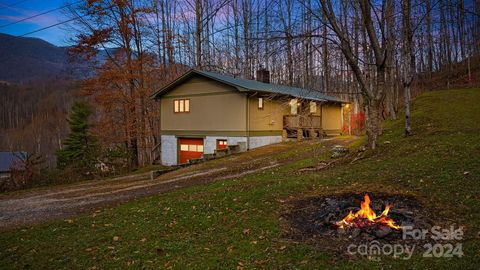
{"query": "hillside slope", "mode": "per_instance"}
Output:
(238, 223)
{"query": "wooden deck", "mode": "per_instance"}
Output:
(300, 126)
(293, 122)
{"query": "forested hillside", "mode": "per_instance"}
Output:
(33, 117)
(38, 82)
(24, 60)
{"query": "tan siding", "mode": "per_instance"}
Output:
(221, 109)
(213, 106)
(268, 118)
(331, 117)
(197, 85)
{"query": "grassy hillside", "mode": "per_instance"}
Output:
(236, 223)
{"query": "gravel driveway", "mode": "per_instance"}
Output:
(41, 205)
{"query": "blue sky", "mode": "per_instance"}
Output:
(26, 8)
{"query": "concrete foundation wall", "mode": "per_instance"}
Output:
(210, 142)
(264, 140)
(169, 150)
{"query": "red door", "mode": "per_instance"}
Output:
(221, 144)
(190, 149)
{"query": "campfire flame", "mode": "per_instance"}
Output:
(367, 217)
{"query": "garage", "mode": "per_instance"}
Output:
(190, 148)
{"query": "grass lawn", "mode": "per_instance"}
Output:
(236, 223)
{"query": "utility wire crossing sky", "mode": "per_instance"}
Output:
(21, 17)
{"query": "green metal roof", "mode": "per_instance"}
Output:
(251, 85)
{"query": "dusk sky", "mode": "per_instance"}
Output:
(15, 10)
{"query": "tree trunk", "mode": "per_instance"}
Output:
(408, 62)
(373, 118)
(461, 27)
(266, 35)
(390, 93)
(406, 107)
(325, 64)
(246, 39)
(198, 33)
(288, 35)
(428, 22)
(236, 36)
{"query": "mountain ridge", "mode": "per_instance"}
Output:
(28, 59)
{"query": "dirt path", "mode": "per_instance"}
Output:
(37, 206)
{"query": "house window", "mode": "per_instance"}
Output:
(222, 144)
(260, 103)
(313, 107)
(181, 105)
(293, 106)
(191, 147)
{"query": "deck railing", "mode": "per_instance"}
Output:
(302, 122)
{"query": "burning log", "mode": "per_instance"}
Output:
(367, 218)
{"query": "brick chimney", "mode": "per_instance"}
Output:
(263, 75)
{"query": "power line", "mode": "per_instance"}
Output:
(53, 25)
(59, 23)
(13, 5)
(62, 22)
(37, 15)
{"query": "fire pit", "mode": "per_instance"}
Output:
(366, 218)
(333, 222)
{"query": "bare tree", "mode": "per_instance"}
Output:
(408, 61)
(374, 96)
(198, 33)
(358, 50)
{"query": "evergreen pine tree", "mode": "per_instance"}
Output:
(80, 147)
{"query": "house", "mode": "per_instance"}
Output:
(206, 112)
(10, 161)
